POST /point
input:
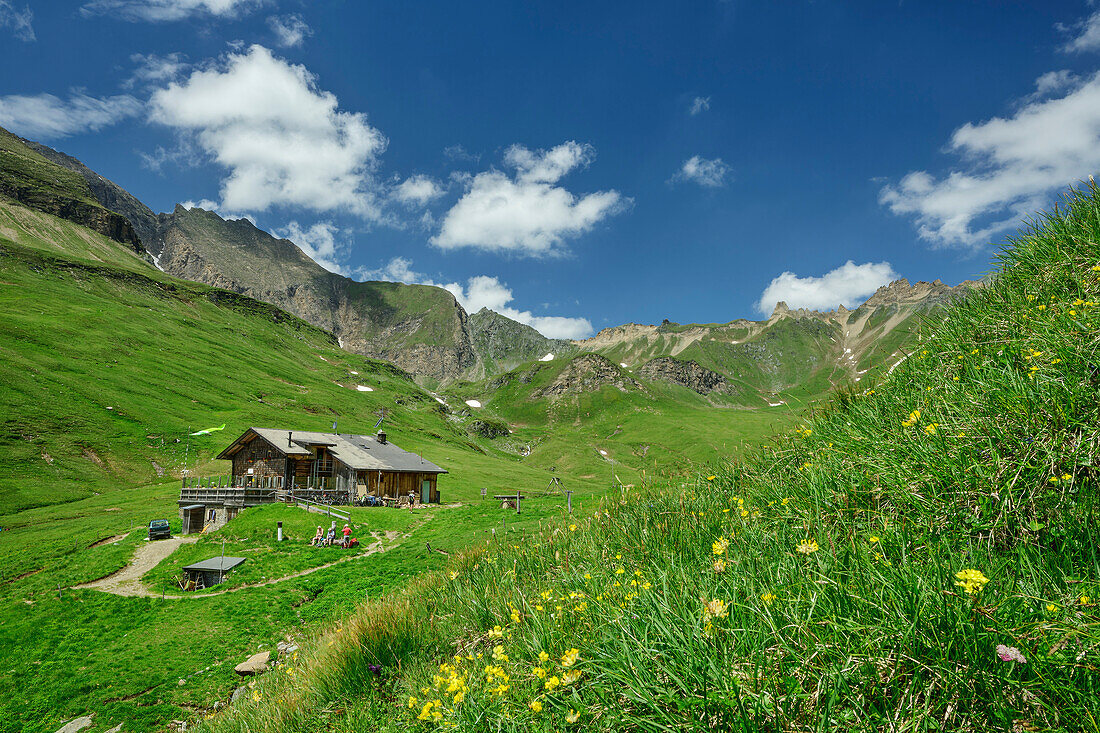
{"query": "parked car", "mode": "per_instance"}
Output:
(159, 529)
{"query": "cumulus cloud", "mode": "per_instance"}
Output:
(707, 173)
(699, 104)
(848, 285)
(290, 30)
(1086, 34)
(282, 140)
(417, 190)
(318, 242)
(166, 10)
(526, 213)
(483, 291)
(1010, 166)
(45, 116)
(19, 21)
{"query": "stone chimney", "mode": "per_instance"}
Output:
(381, 438)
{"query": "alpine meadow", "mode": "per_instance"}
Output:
(549, 367)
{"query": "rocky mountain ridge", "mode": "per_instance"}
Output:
(426, 332)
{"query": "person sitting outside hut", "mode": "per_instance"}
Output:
(319, 538)
(330, 538)
(347, 534)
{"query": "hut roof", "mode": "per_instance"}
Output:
(214, 564)
(360, 452)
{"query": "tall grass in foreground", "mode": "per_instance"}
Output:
(919, 556)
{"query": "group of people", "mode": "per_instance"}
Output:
(329, 539)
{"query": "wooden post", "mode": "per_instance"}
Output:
(517, 502)
(569, 500)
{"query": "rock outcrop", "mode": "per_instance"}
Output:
(687, 374)
(588, 373)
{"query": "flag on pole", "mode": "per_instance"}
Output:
(334, 426)
(379, 423)
(209, 430)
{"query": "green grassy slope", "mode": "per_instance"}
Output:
(920, 556)
(109, 363)
(655, 427)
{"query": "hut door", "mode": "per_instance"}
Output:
(425, 491)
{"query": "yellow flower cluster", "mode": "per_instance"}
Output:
(808, 547)
(914, 418)
(970, 580)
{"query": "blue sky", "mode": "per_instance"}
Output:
(581, 165)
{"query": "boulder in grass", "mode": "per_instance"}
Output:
(256, 664)
(78, 724)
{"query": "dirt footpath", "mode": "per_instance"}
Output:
(127, 582)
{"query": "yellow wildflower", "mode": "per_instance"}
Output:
(807, 547)
(498, 654)
(711, 478)
(930, 428)
(971, 580)
(719, 546)
(572, 716)
(719, 566)
(768, 598)
(572, 528)
(1051, 608)
(570, 677)
(539, 672)
(454, 574)
(496, 632)
(1084, 600)
(552, 683)
(536, 706)
(544, 657)
(914, 418)
(570, 658)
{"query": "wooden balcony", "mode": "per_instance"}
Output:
(238, 497)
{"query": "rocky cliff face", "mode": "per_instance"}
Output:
(687, 374)
(39, 183)
(109, 194)
(421, 329)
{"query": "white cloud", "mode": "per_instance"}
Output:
(1087, 36)
(318, 242)
(484, 291)
(460, 154)
(283, 141)
(290, 30)
(417, 190)
(1010, 167)
(848, 285)
(154, 69)
(44, 116)
(699, 104)
(18, 20)
(526, 214)
(1054, 81)
(166, 10)
(707, 173)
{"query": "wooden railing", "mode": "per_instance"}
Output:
(227, 496)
